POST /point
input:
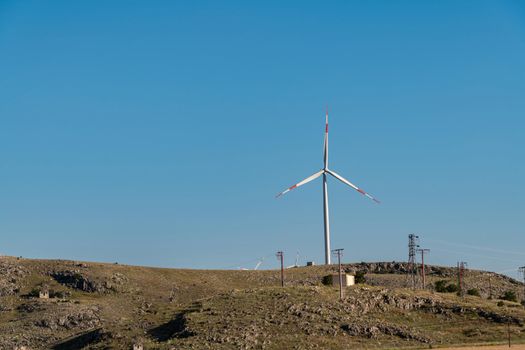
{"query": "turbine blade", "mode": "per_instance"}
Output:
(343, 180)
(325, 145)
(308, 179)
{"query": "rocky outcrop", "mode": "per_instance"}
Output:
(10, 276)
(365, 329)
(77, 280)
(364, 301)
(85, 318)
(396, 267)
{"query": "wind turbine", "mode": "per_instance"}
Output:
(324, 172)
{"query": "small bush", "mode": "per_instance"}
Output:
(472, 332)
(452, 288)
(59, 294)
(35, 292)
(474, 292)
(500, 303)
(509, 296)
(440, 286)
(360, 277)
(327, 280)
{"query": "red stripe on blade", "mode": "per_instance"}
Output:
(294, 186)
(361, 191)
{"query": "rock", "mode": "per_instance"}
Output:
(77, 280)
(70, 319)
(374, 330)
(10, 275)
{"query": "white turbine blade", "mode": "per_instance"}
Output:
(342, 179)
(325, 146)
(308, 179)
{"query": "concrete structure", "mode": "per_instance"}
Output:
(43, 294)
(348, 280)
(138, 347)
(310, 263)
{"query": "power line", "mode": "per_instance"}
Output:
(476, 247)
(476, 255)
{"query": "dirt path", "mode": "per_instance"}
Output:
(496, 347)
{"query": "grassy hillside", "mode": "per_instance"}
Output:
(101, 306)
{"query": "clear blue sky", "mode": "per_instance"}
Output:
(158, 132)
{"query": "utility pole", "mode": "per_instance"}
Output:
(508, 331)
(339, 253)
(423, 251)
(412, 246)
(522, 271)
(280, 256)
(490, 288)
(459, 279)
(461, 272)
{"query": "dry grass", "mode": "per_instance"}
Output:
(232, 309)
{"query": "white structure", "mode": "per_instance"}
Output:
(348, 280)
(323, 172)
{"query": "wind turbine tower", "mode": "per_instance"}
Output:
(325, 171)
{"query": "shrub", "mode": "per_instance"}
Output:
(452, 288)
(35, 292)
(500, 303)
(327, 280)
(59, 294)
(360, 277)
(473, 291)
(440, 286)
(509, 296)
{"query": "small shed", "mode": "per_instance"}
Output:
(310, 263)
(43, 293)
(348, 280)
